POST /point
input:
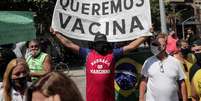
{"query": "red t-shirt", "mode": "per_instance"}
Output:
(100, 76)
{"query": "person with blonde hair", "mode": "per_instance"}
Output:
(54, 86)
(15, 81)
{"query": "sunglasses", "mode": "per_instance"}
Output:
(161, 67)
(34, 46)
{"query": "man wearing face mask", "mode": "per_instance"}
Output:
(99, 65)
(183, 55)
(195, 72)
(185, 50)
(161, 75)
(39, 62)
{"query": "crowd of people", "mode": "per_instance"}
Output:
(171, 74)
(30, 78)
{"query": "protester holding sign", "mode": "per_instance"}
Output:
(108, 21)
(100, 65)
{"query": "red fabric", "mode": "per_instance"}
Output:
(171, 44)
(100, 77)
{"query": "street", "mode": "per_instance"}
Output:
(79, 77)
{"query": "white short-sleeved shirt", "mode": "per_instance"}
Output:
(16, 96)
(162, 86)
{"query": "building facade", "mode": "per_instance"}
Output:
(191, 11)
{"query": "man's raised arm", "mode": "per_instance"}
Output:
(66, 42)
(134, 44)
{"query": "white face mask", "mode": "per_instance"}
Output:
(156, 50)
(35, 53)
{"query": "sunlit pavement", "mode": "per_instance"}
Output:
(79, 77)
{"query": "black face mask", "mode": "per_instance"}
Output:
(20, 83)
(185, 51)
(102, 47)
(198, 57)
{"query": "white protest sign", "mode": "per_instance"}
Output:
(120, 20)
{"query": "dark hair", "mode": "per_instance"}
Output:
(197, 42)
(55, 83)
(34, 41)
(178, 43)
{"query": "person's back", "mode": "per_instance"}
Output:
(171, 42)
(54, 86)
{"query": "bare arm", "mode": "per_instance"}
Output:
(134, 44)
(47, 67)
(183, 90)
(66, 42)
(193, 93)
(143, 87)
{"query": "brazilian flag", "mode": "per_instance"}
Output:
(132, 63)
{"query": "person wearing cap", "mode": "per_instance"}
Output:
(161, 75)
(99, 65)
(195, 72)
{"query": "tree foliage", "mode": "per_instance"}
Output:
(155, 13)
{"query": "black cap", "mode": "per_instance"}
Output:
(197, 42)
(100, 38)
